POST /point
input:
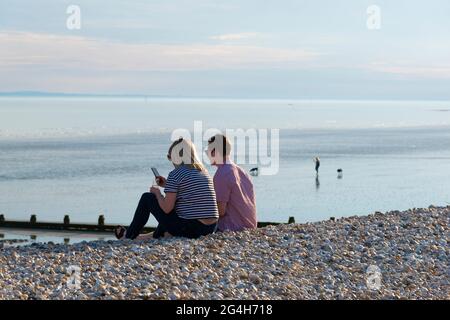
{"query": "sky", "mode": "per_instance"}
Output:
(317, 49)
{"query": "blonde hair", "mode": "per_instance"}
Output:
(182, 152)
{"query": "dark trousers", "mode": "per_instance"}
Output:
(167, 222)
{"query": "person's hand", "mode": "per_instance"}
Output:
(155, 190)
(161, 181)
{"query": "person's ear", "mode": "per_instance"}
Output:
(213, 152)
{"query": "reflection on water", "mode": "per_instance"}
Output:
(15, 237)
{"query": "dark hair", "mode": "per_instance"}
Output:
(222, 143)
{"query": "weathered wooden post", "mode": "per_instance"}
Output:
(101, 220)
(66, 240)
(33, 237)
(33, 219)
(291, 220)
(66, 220)
(2, 218)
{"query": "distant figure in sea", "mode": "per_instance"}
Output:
(234, 188)
(340, 173)
(189, 207)
(317, 162)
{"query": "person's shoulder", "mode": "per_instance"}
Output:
(221, 175)
(200, 173)
(178, 172)
(238, 169)
(225, 170)
(243, 173)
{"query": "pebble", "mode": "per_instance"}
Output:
(321, 260)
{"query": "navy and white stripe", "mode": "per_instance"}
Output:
(196, 198)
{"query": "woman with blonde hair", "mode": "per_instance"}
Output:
(189, 207)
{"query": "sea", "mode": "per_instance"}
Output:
(86, 156)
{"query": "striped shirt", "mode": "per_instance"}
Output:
(196, 198)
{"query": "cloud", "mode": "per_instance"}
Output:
(235, 36)
(412, 70)
(25, 49)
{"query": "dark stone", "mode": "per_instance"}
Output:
(368, 243)
(66, 219)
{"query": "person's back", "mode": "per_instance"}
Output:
(195, 193)
(234, 187)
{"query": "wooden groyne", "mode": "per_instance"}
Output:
(66, 225)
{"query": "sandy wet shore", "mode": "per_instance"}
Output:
(13, 236)
(380, 256)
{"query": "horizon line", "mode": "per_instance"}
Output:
(48, 94)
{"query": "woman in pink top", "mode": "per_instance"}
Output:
(234, 188)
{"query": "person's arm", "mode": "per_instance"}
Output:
(166, 203)
(222, 206)
(223, 191)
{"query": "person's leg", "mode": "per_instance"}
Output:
(170, 222)
(190, 228)
(159, 231)
(199, 229)
(148, 204)
(145, 236)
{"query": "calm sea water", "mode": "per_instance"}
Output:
(86, 157)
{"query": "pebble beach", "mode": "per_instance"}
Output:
(392, 255)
